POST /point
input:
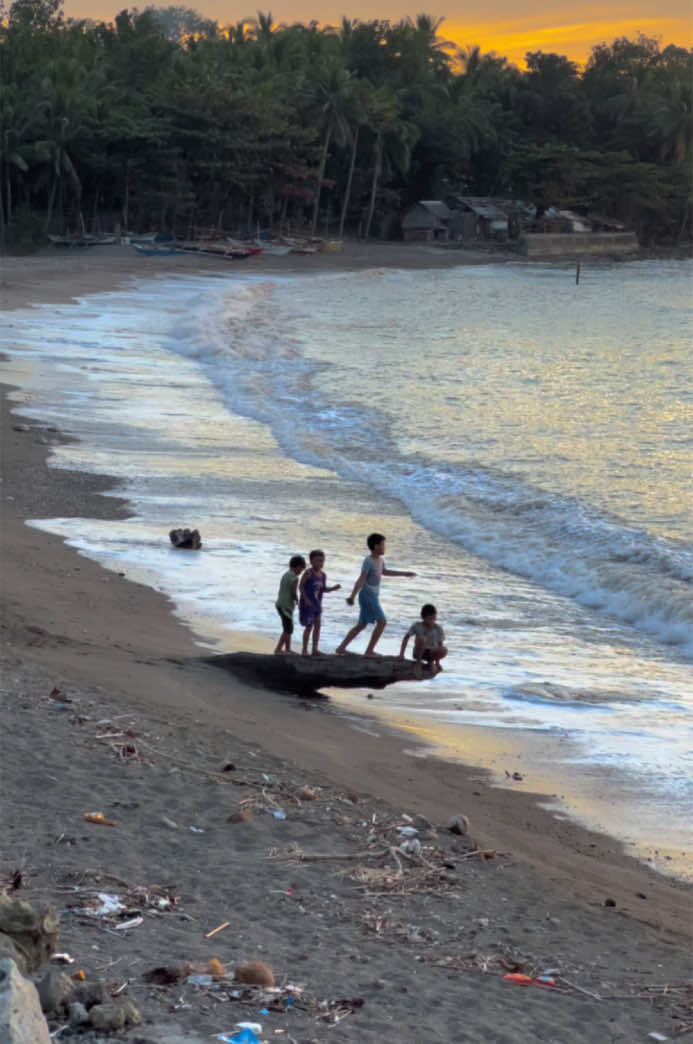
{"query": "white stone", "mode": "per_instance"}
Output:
(21, 1018)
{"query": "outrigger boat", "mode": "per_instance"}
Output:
(152, 249)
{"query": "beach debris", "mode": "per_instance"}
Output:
(21, 1018)
(241, 815)
(412, 845)
(307, 794)
(104, 904)
(459, 825)
(254, 973)
(133, 922)
(517, 776)
(243, 1036)
(407, 831)
(228, 766)
(519, 979)
(111, 1017)
(14, 881)
(62, 958)
(609, 902)
(334, 1011)
(167, 975)
(59, 696)
(219, 928)
(169, 823)
(200, 980)
(186, 539)
(424, 826)
(99, 818)
(656, 1036)
(216, 969)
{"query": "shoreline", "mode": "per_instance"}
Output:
(119, 652)
(509, 814)
(496, 751)
(110, 276)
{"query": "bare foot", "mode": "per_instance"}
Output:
(340, 650)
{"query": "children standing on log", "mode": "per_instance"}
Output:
(429, 638)
(312, 586)
(286, 602)
(367, 587)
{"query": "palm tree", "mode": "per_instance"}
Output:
(332, 93)
(68, 103)
(394, 139)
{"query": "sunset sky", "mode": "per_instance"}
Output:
(504, 26)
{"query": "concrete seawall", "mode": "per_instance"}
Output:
(578, 244)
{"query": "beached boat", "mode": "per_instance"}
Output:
(272, 248)
(331, 246)
(81, 241)
(221, 249)
(152, 249)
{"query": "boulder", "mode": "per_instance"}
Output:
(21, 1018)
(55, 990)
(188, 539)
(28, 935)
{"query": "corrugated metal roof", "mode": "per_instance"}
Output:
(427, 213)
(437, 207)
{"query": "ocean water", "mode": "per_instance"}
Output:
(524, 443)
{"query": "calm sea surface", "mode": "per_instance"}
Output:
(524, 443)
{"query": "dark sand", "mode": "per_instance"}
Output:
(143, 739)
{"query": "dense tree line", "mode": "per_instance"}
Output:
(163, 119)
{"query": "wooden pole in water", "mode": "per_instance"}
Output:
(577, 273)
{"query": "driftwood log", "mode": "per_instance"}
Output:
(307, 675)
(186, 538)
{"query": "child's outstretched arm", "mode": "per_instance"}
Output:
(398, 572)
(403, 647)
(335, 587)
(360, 581)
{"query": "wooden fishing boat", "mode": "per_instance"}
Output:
(151, 249)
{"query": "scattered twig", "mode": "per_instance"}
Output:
(219, 928)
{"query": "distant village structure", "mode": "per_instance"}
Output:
(479, 220)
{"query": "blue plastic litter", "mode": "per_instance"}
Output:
(244, 1036)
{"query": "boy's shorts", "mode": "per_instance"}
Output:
(369, 606)
(287, 621)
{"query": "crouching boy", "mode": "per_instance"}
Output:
(429, 639)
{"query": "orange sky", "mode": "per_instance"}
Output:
(504, 26)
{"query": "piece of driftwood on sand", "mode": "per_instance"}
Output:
(307, 675)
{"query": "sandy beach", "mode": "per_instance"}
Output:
(382, 945)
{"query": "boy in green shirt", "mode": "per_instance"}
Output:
(286, 602)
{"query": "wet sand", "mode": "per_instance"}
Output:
(425, 953)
